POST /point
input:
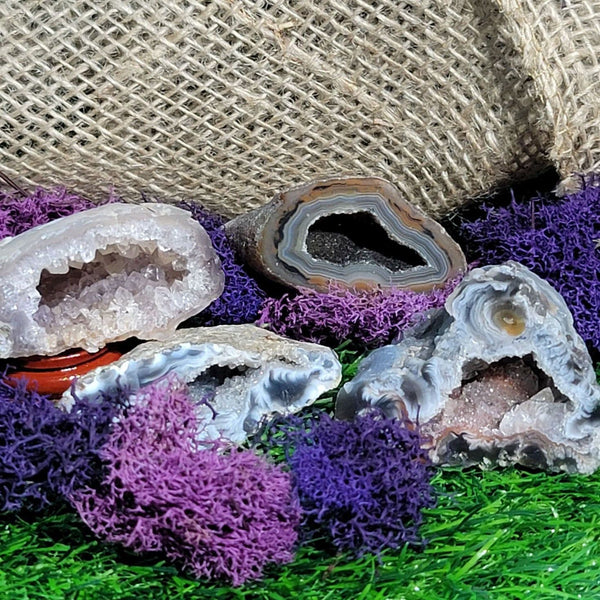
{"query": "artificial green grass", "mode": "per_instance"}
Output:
(493, 534)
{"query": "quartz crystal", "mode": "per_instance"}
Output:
(353, 232)
(499, 375)
(237, 375)
(102, 275)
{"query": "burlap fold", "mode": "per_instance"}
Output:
(227, 101)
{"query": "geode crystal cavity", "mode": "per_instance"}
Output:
(355, 232)
(499, 376)
(105, 274)
(238, 374)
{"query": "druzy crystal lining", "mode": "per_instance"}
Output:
(121, 274)
(102, 275)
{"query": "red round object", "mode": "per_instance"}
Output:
(53, 374)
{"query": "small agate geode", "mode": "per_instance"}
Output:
(102, 275)
(498, 376)
(353, 232)
(236, 375)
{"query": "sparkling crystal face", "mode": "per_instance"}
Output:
(344, 239)
(131, 270)
(478, 406)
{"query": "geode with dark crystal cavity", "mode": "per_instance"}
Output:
(355, 232)
(102, 275)
(498, 376)
(236, 374)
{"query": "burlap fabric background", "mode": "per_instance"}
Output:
(227, 101)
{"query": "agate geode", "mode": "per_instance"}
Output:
(354, 232)
(102, 275)
(498, 376)
(236, 374)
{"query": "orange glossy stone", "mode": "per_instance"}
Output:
(53, 374)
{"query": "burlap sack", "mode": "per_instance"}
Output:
(227, 101)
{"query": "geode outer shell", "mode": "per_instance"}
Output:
(379, 239)
(103, 275)
(499, 376)
(237, 374)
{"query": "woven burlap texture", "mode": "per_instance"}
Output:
(226, 102)
(560, 44)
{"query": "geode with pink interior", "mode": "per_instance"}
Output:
(498, 376)
(353, 232)
(102, 275)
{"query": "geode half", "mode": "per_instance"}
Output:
(102, 275)
(498, 376)
(354, 232)
(237, 375)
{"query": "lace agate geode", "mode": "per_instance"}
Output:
(102, 275)
(237, 374)
(354, 232)
(499, 376)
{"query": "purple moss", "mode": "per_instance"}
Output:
(361, 484)
(219, 514)
(45, 453)
(242, 298)
(368, 318)
(19, 212)
(558, 239)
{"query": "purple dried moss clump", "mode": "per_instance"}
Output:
(219, 514)
(19, 212)
(45, 453)
(242, 298)
(367, 318)
(557, 238)
(362, 484)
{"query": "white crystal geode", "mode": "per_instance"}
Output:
(236, 374)
(102, 275)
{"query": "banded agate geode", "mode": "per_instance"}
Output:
(102, 275)
(354, 232)
(236, 374)
(498, 376)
